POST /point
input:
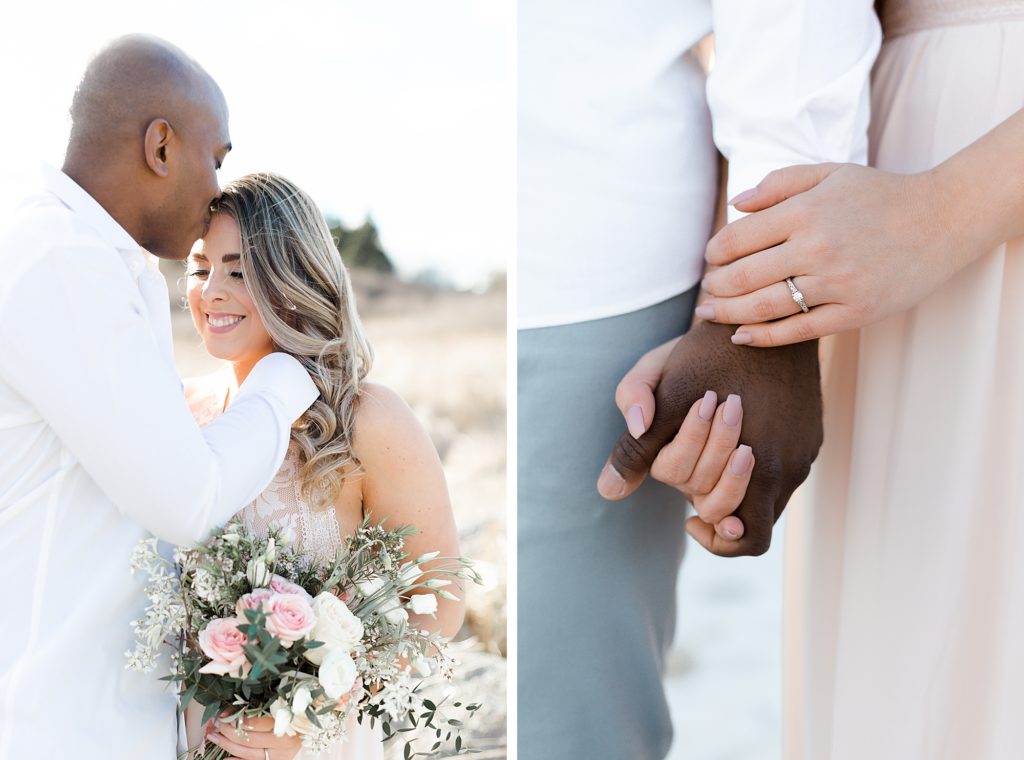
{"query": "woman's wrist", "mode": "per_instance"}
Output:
(954, 214)
(979, 193)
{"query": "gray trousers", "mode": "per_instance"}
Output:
(597, 579)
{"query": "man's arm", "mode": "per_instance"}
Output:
(77, 346)
(789, 82)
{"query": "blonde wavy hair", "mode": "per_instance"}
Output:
(301, 290)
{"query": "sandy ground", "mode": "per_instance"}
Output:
(444, 353)
(724, 674)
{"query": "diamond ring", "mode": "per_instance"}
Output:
(797, 295)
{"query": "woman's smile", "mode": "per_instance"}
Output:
(219, 323)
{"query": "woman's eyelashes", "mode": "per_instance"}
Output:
(202, 274)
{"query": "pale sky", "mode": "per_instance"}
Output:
(403, 109)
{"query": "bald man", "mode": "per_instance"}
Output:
(98, 449)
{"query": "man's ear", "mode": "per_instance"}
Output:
(157, 146)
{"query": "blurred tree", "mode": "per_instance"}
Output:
(360, 247)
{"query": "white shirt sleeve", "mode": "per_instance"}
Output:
(75, 343)
(790, 84)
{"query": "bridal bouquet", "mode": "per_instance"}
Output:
(258, 629)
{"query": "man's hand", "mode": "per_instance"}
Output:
(781, 394)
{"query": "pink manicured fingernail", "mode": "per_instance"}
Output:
(635, 421)
(746, 195)
(610, 484)
(741, 460)
(705, 311)
(742, 339)
(725, 531)
(733, 410)
(707, 406)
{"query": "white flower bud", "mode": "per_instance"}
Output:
(282, 718)
(370, 586)
(423, 604)
(257, 573)
(396, 615)
(302, 699)
(409, 573)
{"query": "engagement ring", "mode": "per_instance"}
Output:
(797, 295)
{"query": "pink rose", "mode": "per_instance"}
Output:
(222, 642)
(289, 617)
(252, 601)
(285, 586)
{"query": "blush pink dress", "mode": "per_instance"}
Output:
(316, 530)
(904, 564)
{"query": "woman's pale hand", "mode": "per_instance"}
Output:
(703, 460)
(257, 743)
(860, 244)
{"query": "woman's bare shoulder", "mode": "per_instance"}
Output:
(383, 421)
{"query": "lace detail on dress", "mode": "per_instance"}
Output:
(316, 530)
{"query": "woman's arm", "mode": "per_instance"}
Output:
(861, 244)
(404, 482)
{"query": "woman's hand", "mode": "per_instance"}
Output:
(258, 742)
(860, 244)
(702, 461)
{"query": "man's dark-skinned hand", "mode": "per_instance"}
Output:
(781, 393)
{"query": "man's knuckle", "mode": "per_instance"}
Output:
(630, 454)
(759, 544)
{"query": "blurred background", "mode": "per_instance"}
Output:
(397, 117)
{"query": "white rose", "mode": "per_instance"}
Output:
(282, 718)
(370, 587)
(423, 604)
(395, 614)
(257, 573)
(335, 625)
(337, 674)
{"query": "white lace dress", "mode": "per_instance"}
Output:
(316, 531)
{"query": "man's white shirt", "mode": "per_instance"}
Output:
(617, 165)
(97, 450)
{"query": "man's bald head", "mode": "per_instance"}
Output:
(131, 82)
(148, 132)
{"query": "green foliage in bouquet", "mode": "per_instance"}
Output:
(258, 628)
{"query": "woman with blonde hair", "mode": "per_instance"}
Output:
(268, 277)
